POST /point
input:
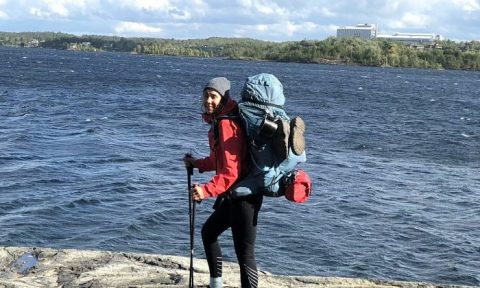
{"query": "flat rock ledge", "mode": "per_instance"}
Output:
(82, 268)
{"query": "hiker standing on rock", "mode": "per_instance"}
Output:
(229, 159)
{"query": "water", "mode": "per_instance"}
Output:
(90, 149)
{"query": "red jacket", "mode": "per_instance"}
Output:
(228, 154)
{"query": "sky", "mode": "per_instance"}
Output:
(280, 20)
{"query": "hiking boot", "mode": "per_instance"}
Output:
(297, 139)
(280, 140)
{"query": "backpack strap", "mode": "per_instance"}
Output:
(262, 103)
(217, 120)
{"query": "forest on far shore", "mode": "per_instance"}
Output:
(440, 55)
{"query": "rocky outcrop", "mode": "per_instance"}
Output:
(70, 268)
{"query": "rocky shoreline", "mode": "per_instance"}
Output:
(68, 268)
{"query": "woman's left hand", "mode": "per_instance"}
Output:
(197, 193)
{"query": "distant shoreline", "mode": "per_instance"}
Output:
(344, 51)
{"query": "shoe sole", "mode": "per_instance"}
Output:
(297, 138)
(282, 136)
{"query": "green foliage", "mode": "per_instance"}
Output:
(441, 55)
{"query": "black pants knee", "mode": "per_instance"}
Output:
(241, 216)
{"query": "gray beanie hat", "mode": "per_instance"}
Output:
(219, 84)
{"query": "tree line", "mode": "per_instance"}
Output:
(440, 55)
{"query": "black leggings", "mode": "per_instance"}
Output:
(241, 215)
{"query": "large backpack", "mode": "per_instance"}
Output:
(272, 149)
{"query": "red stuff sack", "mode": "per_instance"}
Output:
(300, 188)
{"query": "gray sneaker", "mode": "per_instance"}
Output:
(297, 139)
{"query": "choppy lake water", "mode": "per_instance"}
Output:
(90, 149)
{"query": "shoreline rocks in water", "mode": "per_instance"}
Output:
(82, 268)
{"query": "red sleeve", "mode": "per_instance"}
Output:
(205, 164)
(231, 154)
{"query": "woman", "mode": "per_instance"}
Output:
(229, 159)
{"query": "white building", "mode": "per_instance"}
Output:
(413, 38)
(362, 31)
(370, 32)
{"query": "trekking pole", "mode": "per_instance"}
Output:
(191, 214)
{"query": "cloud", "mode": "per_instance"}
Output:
(59, 8)
(468, 5)
(156, 11)
(327, 13)
(412, 19)
(138, 29)
(274, 31)
(261, 9)
(277, 20)
(270, 9)
(3, 15)
(179, 14)
(143, 5)
(39, 13)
